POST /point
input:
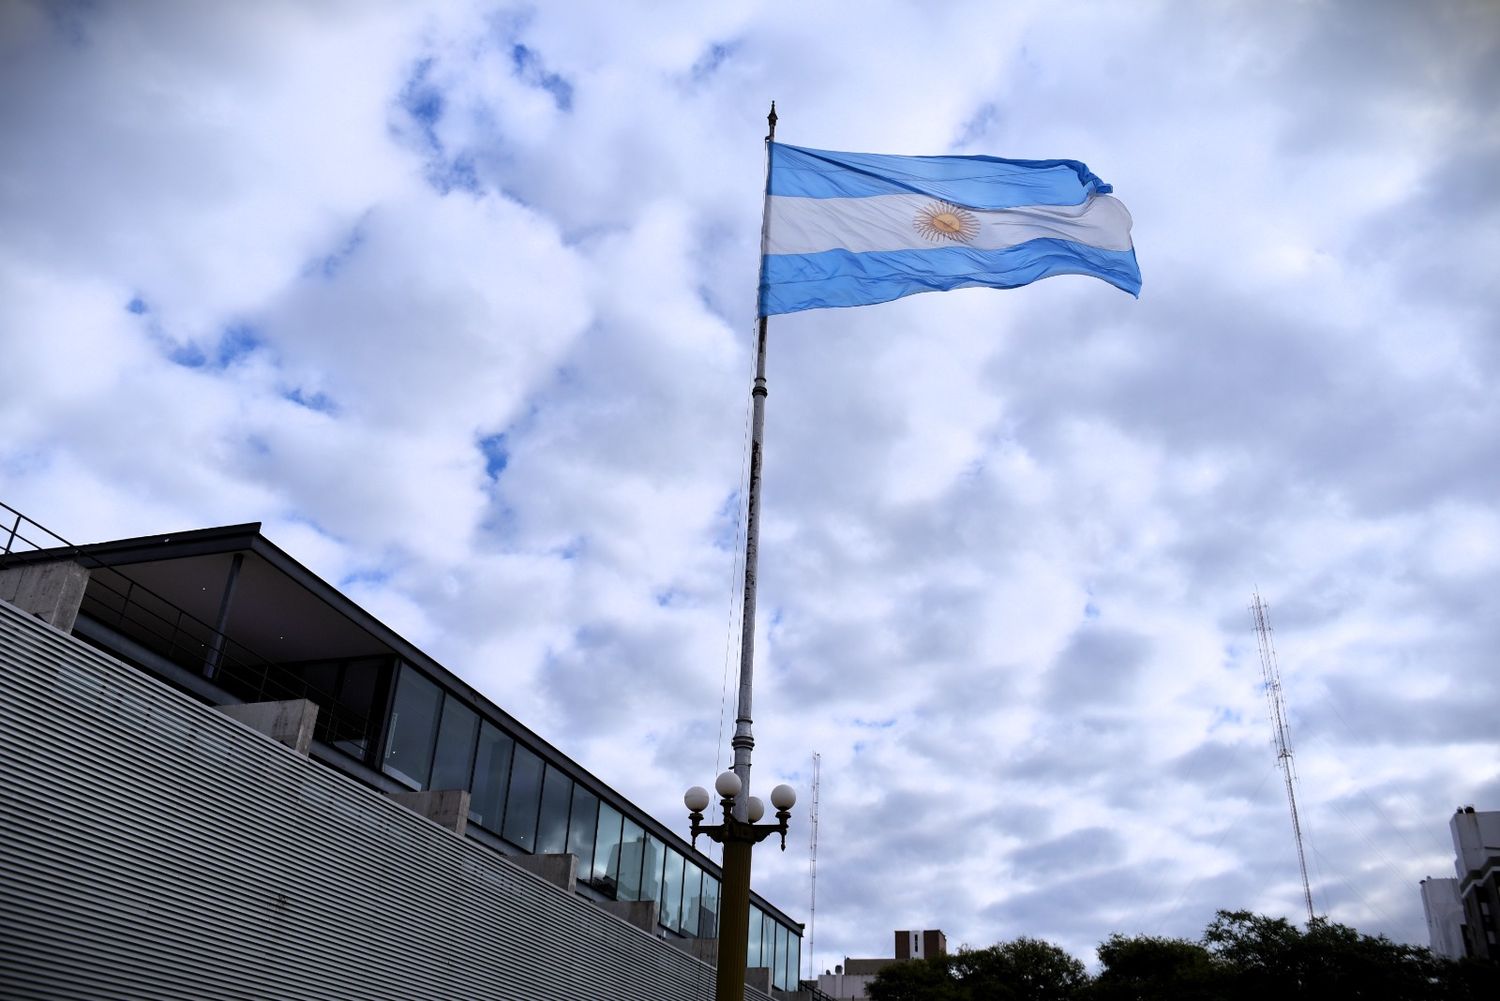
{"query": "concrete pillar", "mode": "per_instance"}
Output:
(561, 869)
(448, 807)
(641, 913)
(290, 722)
(50, 591)
(759, 977)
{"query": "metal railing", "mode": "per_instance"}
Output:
(116, 599)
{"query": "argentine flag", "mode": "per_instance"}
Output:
(851, 229)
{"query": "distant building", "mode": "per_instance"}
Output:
(225, 779)
(1445, 917)
(921, 944)
(1476, 843)
(852, 978)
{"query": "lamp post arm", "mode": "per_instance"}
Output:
(738, 830)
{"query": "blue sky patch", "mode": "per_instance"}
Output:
(425, 105)
(137, 306)
(496, 455)
(187, 355)
(727, 537)
(423, 102)
(319, 401)
(717, 55)
(459, 173)
(572, 549)
(236, 343)
(527, 66)
(977, 126)
(331, 264)
(374, 577)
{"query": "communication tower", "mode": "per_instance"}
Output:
(1277, 706)
(812, 872)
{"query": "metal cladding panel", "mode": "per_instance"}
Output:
(154, 848)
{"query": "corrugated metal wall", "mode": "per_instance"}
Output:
(153, 848)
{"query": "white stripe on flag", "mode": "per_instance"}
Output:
(920, 222)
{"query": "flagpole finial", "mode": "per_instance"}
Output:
(771, 120)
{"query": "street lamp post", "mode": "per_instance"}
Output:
(737, 837)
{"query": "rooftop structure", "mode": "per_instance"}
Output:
(851, 979)
(235, 625)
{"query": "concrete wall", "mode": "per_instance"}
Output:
(1445, 917)
(290, 722)
(845, 985)
(154, 848)
(1476, 837)
(1476, 843)
(50, 591)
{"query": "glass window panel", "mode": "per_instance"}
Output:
(752, 957)
(692, 898)
(670, 913)
(352, 723)
(793, 959)
(521, 803)
(708, 917)
(627, 869)
(491, 777)
(768, 944)
(455, 746)
(651, 868)
(552, 825)
(320, 681)
(345, 694)
(607, 852)
(414, 717)
(783, 950)
(582, 823)
(768, 950)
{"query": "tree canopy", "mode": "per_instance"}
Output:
(1240, 956)
(1026, 969)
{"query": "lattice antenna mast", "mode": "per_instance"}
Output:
(1277, 706)
(812, 872)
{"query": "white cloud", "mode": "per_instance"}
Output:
(458, 303)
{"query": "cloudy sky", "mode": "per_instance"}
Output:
(458, 301)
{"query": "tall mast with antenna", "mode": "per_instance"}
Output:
(812, 872)
(1277, 706)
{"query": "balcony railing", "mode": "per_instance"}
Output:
(115, 599)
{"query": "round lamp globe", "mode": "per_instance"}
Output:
(783, 797)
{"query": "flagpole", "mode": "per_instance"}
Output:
(739, 835)
(743, 741)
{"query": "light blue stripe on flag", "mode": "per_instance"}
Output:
(853, 229)
(976, 182)
(793, 282)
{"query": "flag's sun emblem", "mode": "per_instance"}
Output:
(942, 221)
